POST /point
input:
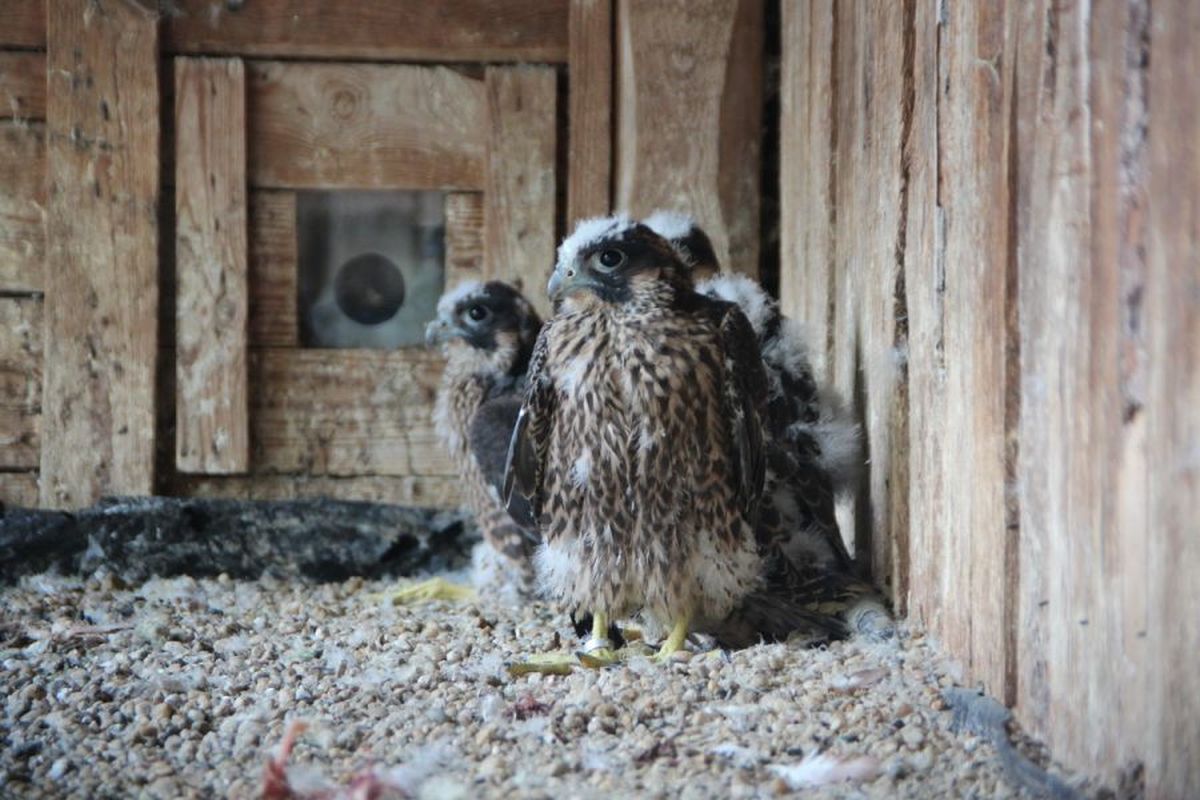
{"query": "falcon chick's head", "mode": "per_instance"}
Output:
(491, 323)
(689, 240)
(614, 260)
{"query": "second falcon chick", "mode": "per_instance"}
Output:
(487, 332)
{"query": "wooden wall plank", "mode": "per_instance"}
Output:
(459, 30)
(273, 274)
(22, 205)
(519, 194)
(20, 381)
(211, 425)
(22, 85)
(364, 126)
(23, 23)
(924, 265)
(1082, 469)
(345, 412)
(19, 489)
(689, 117)
(428, 491)
(464, 237)
(806, 138)
(102, 251)
(1172, 315)
(589, 159)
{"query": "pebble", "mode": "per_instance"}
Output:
(191, 701)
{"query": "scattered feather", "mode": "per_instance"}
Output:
(826, 768)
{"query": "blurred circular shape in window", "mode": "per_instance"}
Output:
(369, 289)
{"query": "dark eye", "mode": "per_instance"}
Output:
(611, 258)
(478, 313)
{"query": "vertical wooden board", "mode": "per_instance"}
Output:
(22, 205)
(273, 275)
(922, 261)
(211, 427)
(1173, 400)
(102, 251)
(22, 85)
(20, 381)
(464, 237)
(974, 123)
(1082, 468)
(806, 139)
(519, 191)
(589, 64)
(364, 126)
(23, 23)
(689, 117)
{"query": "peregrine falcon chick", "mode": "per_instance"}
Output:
(487, 332)
(639, 443)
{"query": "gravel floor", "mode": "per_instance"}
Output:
(182, 687)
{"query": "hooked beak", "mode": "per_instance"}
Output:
(563, 282)
(436, 332)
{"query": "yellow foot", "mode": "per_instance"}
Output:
(560, 663)
(598, 653)
(674, 642)
(429, 591)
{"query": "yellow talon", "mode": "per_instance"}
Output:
(429, 591)
(597, 651)
(674, 642)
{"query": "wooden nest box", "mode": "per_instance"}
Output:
(220, 227)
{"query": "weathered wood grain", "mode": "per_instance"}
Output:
(458, 30)
(806, 139)
(273, 273)
(464, 237)
(364, 126)
(1173, 399)
(211, 253)
(590, 74)
(19, 489)
(689, 116)
(20, 381)
(424, 491)
(519, 193)
(345, 412)
(102, 113)
(22, 205)
(22, 85)
(23, 23)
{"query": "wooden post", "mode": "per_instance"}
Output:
(689, 117)
(211, 427)
(102, 115)
(519, 192)
(590, 57)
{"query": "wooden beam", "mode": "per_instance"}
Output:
(211, 425)
(806, 137)
(419, 491)
(1173, 399)
(457, 30)
(689, 117)
(22, 205)
(23, 23)
(102, 251)
(464, 237)
(22, 85)
(519, 197)
(18, 489)
(365, 126)
(273, 270)
(590, 75)
(20, 381)
(345, 412)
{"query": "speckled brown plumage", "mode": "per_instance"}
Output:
(639, 443)
(477, 403)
